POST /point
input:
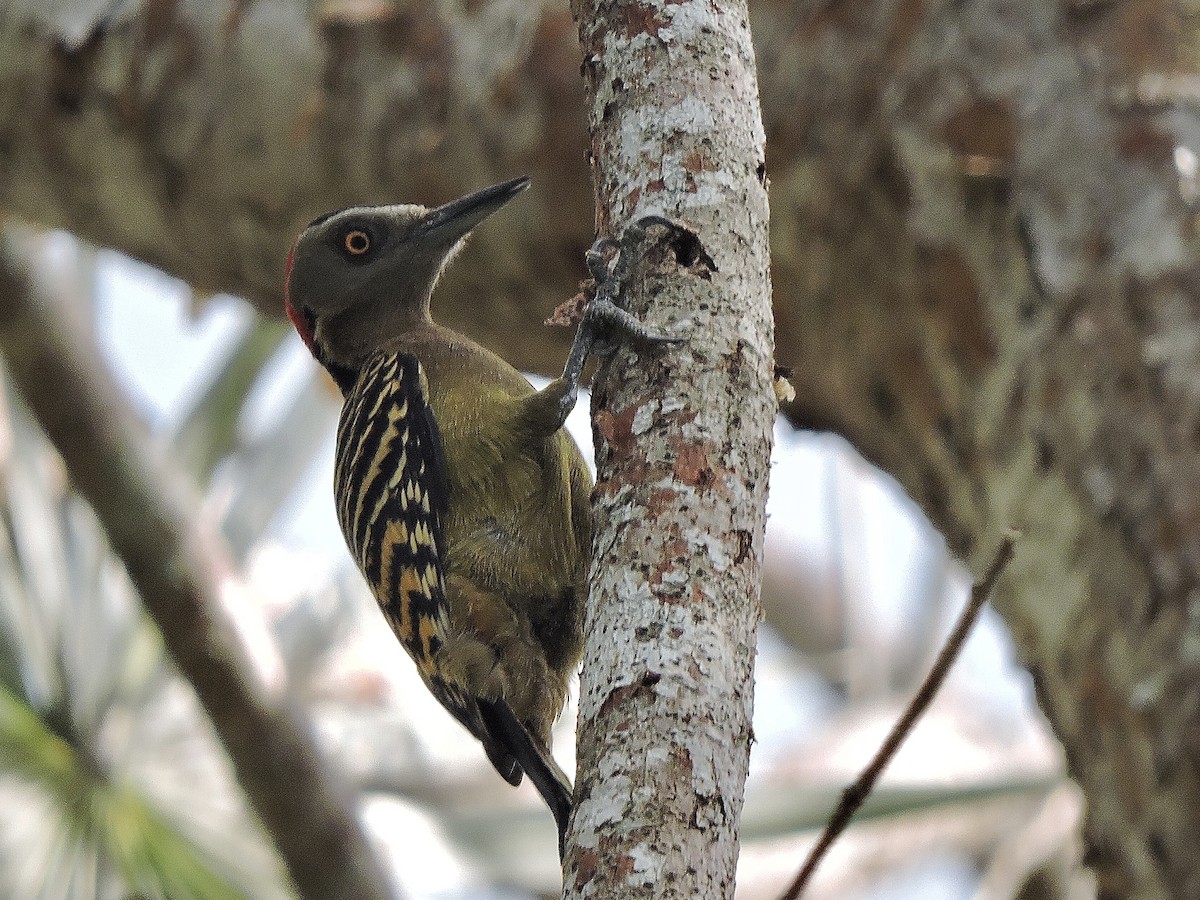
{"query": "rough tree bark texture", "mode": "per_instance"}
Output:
(992, 290)
(683, 437)
(985, 269)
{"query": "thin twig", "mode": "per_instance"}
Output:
(148, 514)
(853, 796)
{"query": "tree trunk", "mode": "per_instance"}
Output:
(683, 438)
(992, 290)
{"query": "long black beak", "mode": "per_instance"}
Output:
(458, 217)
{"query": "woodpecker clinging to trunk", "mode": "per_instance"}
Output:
(463, 501)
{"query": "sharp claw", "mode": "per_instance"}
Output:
(654, 219)
(603, 244)
(603, 316)
(598, 259)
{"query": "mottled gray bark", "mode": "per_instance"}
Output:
(984, 267)
(991, 287)
(683, 437)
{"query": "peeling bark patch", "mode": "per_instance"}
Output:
(745, 542)
(643, 685)
(641, 20)
(625, 865)
(681, 759)
(619, 433)
(696, 162)
(675, 553)
(661, 501)
(691, 466)
(586, 862)
(617, 428)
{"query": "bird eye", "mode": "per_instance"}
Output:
(357, 242)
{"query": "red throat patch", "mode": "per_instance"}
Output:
(301, 322)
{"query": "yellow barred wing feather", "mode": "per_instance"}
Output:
(390, 488)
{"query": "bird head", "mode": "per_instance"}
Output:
(358, 277)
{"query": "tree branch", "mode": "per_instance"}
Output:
(202, 142)
(855, 795)
(148, 515)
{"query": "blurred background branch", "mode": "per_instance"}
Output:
(150, 520)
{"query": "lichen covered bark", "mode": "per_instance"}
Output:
(683, 442)
(995, 222)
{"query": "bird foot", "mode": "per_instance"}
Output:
(612, 263)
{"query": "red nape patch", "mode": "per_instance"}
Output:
(301, 322)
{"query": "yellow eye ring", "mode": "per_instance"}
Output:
(357, 242)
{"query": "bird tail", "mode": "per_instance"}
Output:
(551, 782)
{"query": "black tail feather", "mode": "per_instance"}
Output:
(545, 774)
(510, 770)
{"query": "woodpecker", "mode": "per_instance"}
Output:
(464, 503)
